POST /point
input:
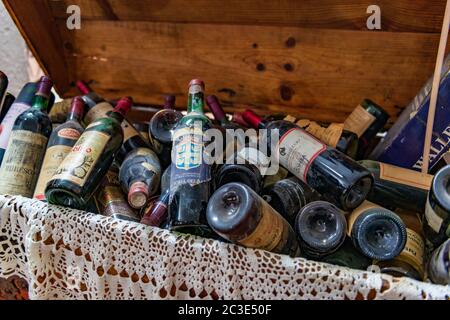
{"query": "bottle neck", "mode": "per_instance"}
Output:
(41, 103)
(196, 102)
(254, 120)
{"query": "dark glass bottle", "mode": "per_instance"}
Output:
(60, 144)
(3, 87)
(155, 214)
(140, 176)
(366, 121)
(410, 262)
(321, 228)
(22, 103)
(246, 173)
(81, 172)
(239, 119)
(27, 144)
(143, 129)
(436, 225)
(396, 187)
(338, 178)
(8, 101)
(111, 200)
(288, 196)
(191, 175)
(238, 214)
(376, 232)
(348, 256)
(161, 129)
(439, 265)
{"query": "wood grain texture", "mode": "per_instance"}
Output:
(397, 15)
(36, 24)
(317, 73)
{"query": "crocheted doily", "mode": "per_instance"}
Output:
(69, 254)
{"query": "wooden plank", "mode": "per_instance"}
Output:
(316, 73)
(37, 26)
(397, 15)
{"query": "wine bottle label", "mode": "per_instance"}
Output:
(78, 164)
(290, 118)
(8, 122)
(69, 133)
(413, 252)
(60, 109)
(366, 205)
(52, 160)
(431, 217)
(405, 176)
(100, 111)
(298, 150)
(21, 164)
(359, 121)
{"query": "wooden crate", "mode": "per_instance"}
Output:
(314, 59)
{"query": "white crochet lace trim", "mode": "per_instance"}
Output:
(68, 254)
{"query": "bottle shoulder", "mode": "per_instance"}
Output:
(34, 120)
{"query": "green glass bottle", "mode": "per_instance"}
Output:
(190, 175)
(348, 256)
(81, 172)
(27, 144)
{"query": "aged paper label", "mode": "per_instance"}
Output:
(359, 121)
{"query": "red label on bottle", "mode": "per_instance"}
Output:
(69, 133)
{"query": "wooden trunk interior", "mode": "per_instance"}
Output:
(309, 58)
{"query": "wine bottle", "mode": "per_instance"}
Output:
(270, 180)
(332, 135)
(143, 129)
(161, 128)
(81, 172)
(191, 175)
(396, 187)
(7, 103)
(288, 196)
(26, 148)
(439, 264)
(338, 178)
(410, 262)
(376, 232)
(61, 142)
(155, 214)
(366, 121)
(22, 103)
(246, 173)
(348, 256)
(140, 175)
(239, 119)
(111, 200)
(238, 214)
(436, 225)
(3, 87)
(321, 228)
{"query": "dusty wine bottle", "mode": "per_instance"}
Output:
(191, 174)
(3, 87)
(26, 148)
(140, 175)
(61, 142)
(143, 129)
(288, 196)
(376, 232)
(436, 225)
(439, 265)
(155, 214)
(366, 121)
(22, 103)
(238, 214)
(396, 187)
(246, 173)
(410, 262)
(338, 178)
(8, 101)
(161, 129)
(111, 200)
(348, 256)
(81, 172)
(321, 228)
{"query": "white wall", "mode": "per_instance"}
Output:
(13, 52)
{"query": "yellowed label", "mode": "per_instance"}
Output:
(359, 121)
(52, 160)
(60, 109)
(330, 136)
(414, 251)
(79, 163)
(269, 232)
(23, 158)
(146, 136)
(366, 205)
(100, 111)
(290, 119)
(405, 176)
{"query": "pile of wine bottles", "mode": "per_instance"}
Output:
(325, 202)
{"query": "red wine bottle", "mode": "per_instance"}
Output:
(3, 87)
(246, 173)
(161, 129)
(7, 103)
(61, 142)
(22, 103)
(338, 178)
(156, 212)
(26, 148)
